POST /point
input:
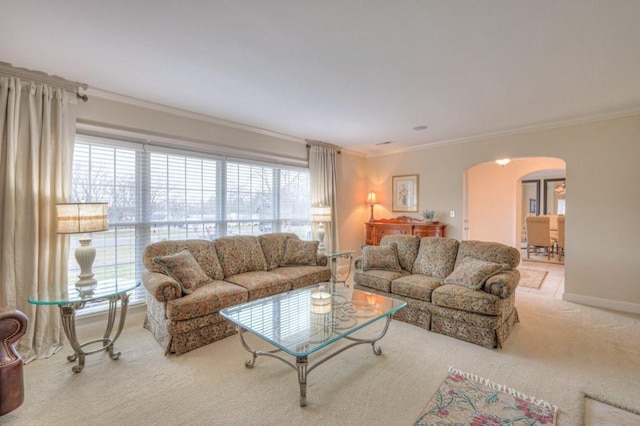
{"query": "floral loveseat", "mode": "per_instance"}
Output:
(189, 281)
(462, 289)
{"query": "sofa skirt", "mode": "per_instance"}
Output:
(487, 337)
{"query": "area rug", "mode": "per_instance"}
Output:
(531, 278)
(467, 399)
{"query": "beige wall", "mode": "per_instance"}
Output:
(602, 203)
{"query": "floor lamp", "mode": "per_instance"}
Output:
(320, 215)
(83, 218)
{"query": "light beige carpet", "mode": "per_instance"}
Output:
(531, 278)
(558, 351)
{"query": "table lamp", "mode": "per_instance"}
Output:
(371, 200)
(83, 218)
(320, 215)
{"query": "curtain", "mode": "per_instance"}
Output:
(37, 130)
(322, 172)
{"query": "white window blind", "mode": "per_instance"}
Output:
(161, 194)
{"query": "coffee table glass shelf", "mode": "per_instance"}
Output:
(70, 301)
(301, 322)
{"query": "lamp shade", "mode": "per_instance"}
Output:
(371, 198)
(78, 218)
(321, 214)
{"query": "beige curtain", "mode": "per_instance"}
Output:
(37, 130)
(322, 171)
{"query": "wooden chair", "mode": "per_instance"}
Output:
(539, 235)
(560, 238)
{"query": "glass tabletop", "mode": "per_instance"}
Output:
(303, 321)
(104, 289)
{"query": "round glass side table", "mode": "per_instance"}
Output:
(112, 291)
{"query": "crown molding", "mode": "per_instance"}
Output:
(39, 76)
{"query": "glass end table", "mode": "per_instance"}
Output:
(333, 258)
(69, 302)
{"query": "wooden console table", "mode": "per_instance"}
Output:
(402, 225)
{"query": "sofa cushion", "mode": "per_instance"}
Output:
(183, 268)
(407, 248)
(378, 279)
(204, 251)
(473, 273)
(436, 257)
(302, 276)
(416, 286)
(205, 300)
(261, 283)
(240, 254)
(490, 252)
(300, 253)
(466, 299)
(273, 247)
(381, 257)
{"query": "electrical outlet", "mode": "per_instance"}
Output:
(452, 213)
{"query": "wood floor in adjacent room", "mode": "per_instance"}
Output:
(596, 413)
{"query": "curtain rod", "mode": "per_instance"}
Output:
(311, 143)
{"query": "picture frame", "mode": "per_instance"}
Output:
(405, 193)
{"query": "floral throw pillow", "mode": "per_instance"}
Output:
(300, 253)
(184, 268)
(381, 257)
(473, 273)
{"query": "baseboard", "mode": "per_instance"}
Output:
(94, 324)
(598, 302)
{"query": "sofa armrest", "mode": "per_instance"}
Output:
(503, 284)
(162, 287)
(321, 260)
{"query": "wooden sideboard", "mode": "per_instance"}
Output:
(402, 225)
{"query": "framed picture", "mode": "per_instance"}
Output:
(533, 205)
(405, 193)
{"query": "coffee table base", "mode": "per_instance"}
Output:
(302, 363)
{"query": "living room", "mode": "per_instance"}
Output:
(599, 147)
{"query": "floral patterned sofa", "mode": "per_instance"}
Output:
(461, 289)
(189, 281)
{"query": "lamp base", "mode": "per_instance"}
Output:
(321, 237)
(371, 219)
(85, 254)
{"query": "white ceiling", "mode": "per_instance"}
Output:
(350, 72)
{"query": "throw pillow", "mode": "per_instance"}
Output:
(184, 268)
(436, 257)
(473, 273)
(300, 253)
(381, 257)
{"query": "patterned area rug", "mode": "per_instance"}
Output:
(531, 278)
(467, 399)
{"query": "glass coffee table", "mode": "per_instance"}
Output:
(301, 322)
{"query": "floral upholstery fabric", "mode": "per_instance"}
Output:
(487, 337)
(183, 268)
(465, 299)
(503, 284)
(240, 254)
(203, 251)
(436, 257)
(185, 342)
(489, 252)
(415, 286)
(273, 247)
(381, 257)
(261, 283)
(302, 276)
(161, 286)
(407, 246)
(378, 279)
(209, 298)
(300, 253)
(473, 273)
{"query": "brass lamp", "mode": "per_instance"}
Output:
(83, 218)
(371, 200)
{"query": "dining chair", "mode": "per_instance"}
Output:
(539, 235)
(560, 238)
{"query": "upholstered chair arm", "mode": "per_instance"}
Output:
(13, 325)
(503, 284)
(357, 263)
(162, 287)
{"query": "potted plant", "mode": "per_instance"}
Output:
(429, 215)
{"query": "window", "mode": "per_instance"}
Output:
(157, 194)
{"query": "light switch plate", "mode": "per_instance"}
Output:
(452, 213)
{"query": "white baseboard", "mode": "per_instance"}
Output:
(598, 302)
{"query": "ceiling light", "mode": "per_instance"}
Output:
(422, 127)
(503, 161)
